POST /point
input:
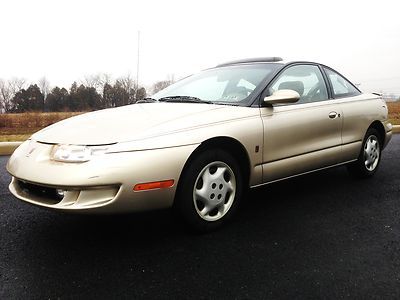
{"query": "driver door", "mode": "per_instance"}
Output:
(304, 136)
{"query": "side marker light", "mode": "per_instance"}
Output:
(153, 185)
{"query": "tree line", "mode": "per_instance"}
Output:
(93, 93)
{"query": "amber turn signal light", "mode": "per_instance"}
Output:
(153, 185)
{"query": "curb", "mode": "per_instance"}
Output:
(7, 148)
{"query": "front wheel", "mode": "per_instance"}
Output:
(210, 190)
(369, 157)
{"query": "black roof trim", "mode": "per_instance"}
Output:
(251, 60)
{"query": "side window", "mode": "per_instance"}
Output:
(307, 80)
(341, 87)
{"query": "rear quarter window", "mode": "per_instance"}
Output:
(341, 86)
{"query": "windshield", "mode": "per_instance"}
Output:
(225, 85)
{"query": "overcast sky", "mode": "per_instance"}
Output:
(66, 40)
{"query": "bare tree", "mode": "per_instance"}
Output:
(17, 84)
(44, 86)
(160, 85)
(97, 81)
(140, 94)
(7, 91)
(171, 78)
(129, 85)
(127, 82)
(5, 96)
(105, 78)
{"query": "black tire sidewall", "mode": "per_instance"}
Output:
(184, 204)
(358, 168)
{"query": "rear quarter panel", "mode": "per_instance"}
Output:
(358, 114)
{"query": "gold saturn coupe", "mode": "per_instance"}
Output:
(199, 144)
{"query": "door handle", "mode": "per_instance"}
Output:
(333, 115)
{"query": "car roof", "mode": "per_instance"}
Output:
(272, 59)
(260, 60)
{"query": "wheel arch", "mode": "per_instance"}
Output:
(228, 144)
(377, 125)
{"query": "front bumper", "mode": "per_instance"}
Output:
(102, 185)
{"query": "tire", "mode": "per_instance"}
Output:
(370, 156)
(209, 191)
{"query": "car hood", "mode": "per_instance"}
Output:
(133, 122)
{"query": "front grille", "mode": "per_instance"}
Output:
(45, 194)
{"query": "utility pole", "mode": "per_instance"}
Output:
(138, 57)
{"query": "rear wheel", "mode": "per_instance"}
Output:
(369, 157)
(209, 191)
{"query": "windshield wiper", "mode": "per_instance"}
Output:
(147, 100)
(185, 99)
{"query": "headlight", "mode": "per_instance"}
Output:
(73, 153)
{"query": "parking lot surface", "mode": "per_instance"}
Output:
(320, 235)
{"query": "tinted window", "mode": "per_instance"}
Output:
(307, 80)
(341, 87)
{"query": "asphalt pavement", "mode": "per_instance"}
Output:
(323, 235)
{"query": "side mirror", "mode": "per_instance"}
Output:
(282, 96)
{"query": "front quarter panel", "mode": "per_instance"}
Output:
(242, 124)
